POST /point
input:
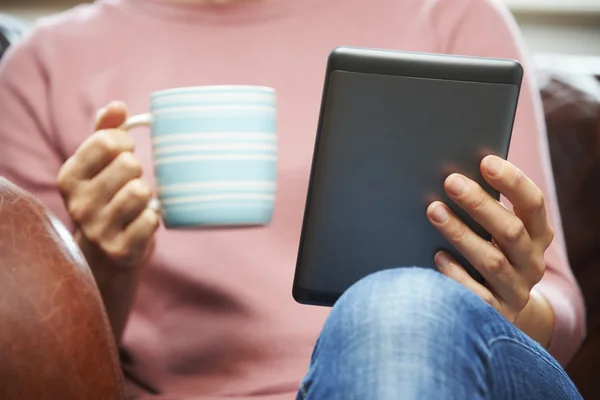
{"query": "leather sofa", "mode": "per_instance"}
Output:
(571, 98)
(55, 339)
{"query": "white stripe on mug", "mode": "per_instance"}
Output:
(233, 156)
(216, 135)
(188, 187)
(218, 197)
(214, 147)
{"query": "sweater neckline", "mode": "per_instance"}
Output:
(233, 11)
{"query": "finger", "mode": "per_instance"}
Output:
(484, 256)
(124, 168)
(127, 205)
(505, 227)
(112, 116)
(448, 266)
(132, 244)
(101, 223)
(98, 151)
(527, 199)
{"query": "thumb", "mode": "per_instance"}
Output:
(113, 115)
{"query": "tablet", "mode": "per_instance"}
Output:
(392, 126)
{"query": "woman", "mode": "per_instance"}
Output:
(209, 314)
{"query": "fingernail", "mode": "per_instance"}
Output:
(493, 166)
(440, 214)
(441, 260)
(457, 185)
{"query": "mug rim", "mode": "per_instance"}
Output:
(217, 88)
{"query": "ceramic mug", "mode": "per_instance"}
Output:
(214, 150)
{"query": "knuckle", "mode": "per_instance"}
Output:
(122, 139)
(128, 162)
(118, 251)
(79, 210)
(101, 140)
(128, 141)
(478, 200)
(151, 218)
(93, 233)
(538, 202)
(515, 232)
(62, 182)
(495, 263)
(538, 268)
(459, 233)
(63, 179)
(155, 224)
(139, 190)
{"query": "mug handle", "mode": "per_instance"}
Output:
(133, 122)
(137, 120)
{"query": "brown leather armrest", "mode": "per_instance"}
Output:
(55, 340)
(572, 110)
(573, 123)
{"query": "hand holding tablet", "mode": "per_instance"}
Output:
(401, 177)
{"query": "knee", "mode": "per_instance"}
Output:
(405, 303)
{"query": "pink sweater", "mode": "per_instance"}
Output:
(214, 315)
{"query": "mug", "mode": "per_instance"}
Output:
(214, 152)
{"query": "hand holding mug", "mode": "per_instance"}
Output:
(104, 194)
(215, 164)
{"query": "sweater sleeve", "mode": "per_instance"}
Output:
(29, 146)
(486, 28)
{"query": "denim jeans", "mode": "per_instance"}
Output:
(412, 333)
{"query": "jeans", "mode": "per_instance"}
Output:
(412, 333)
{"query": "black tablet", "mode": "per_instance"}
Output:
(392, 126)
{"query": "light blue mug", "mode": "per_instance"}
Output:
(214, 151)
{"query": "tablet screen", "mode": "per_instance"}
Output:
(385, 146)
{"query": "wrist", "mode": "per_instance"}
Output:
(117, 284)
(537, 319)
(105, 270)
